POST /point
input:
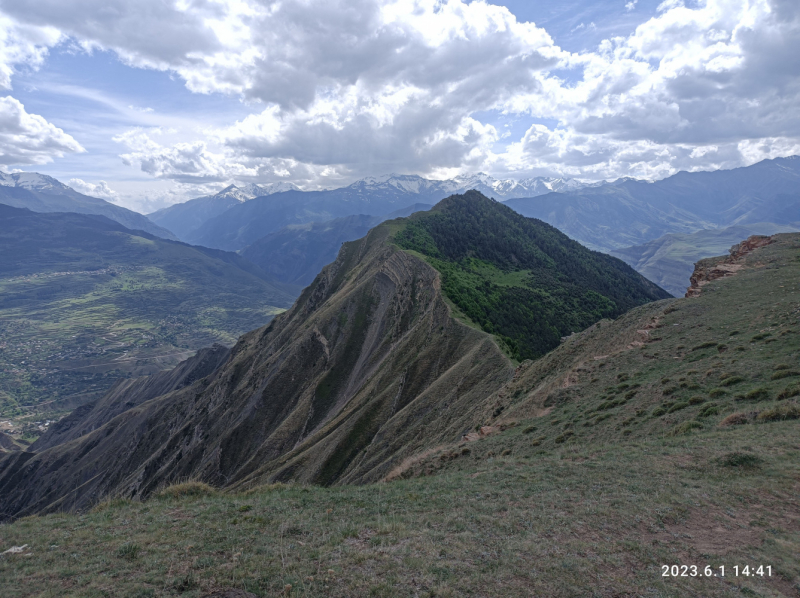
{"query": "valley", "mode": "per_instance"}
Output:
(669, 260)
(84, 301)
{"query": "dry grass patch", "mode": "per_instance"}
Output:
(186, 490)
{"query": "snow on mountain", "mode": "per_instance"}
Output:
(32, 181)
(498, 188)
(252, 190)
(404, 183)
(271, 188)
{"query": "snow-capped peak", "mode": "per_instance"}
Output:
(270, 188)
(409, 183)
(486, 184)
(32, 181)
(251, 190)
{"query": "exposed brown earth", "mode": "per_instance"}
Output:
(719, 267)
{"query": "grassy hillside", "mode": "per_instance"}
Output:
(666, 437)
(669, 260)
(84, 300)
(517, 277)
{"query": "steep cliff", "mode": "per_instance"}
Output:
(719, 267)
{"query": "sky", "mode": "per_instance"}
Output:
(152, 102)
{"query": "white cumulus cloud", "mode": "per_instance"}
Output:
(29, 138)
(341, 89)
(99, 189)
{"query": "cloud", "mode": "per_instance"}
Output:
(29, 138)
(690, 88)
(184, 162)
(345, 89)
(99, 189)
(22, 44)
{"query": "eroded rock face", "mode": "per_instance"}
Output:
(714, 268)
(365, 369)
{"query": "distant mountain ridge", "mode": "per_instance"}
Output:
(183, 218)
(501, 189)
(42, 193)
(630, 212)
(193, 221)
(297, 252)
(605, 215)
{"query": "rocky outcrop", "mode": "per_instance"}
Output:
(711, 269)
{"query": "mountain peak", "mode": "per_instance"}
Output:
(251, 190)
(475, 242)
(487, 184)
(32, 181)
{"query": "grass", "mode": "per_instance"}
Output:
(567, 521)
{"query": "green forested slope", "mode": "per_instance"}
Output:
(519, 278)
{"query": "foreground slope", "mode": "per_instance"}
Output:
(666, 437)
(632, 212)
(41, 193)
(367, 368)
(84, 300)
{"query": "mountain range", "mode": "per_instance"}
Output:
(183, 218)
(84, 300)
(370, 365)
(607, 216)
(291, 233)
(206, 221)
(630, 212)
(41, 193)
(382, 436)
